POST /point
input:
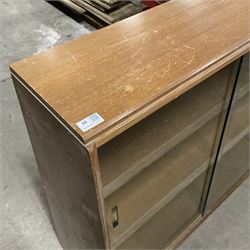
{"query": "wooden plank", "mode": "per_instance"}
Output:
(94, 21)
(110, 2)
(104, 17)
(121, 11)
(94, 4)
(103, 4)
(125, 11)
(109, 8)
(156, 185)
(67, 176)
(197, 106)
(143, 63)
(74, 7)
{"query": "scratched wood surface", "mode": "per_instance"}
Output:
(128, 70)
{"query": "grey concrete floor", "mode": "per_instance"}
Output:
(31, 26)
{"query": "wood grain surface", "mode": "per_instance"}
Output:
(67, 175)
(128, 70)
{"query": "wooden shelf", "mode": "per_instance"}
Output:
(142, 142)
(156, 185)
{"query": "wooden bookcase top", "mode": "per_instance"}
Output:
(126, 71)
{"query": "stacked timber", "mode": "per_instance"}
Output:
(103, 12)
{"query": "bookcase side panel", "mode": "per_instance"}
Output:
(66, 174)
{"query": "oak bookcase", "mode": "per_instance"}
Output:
(140, 130)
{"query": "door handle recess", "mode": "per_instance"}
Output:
(115, 217)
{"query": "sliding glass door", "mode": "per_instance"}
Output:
(232, 160)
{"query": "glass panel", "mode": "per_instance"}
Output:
(147, 167)
(233, 160)
(166, 224)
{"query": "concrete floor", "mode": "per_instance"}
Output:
(31, 26)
